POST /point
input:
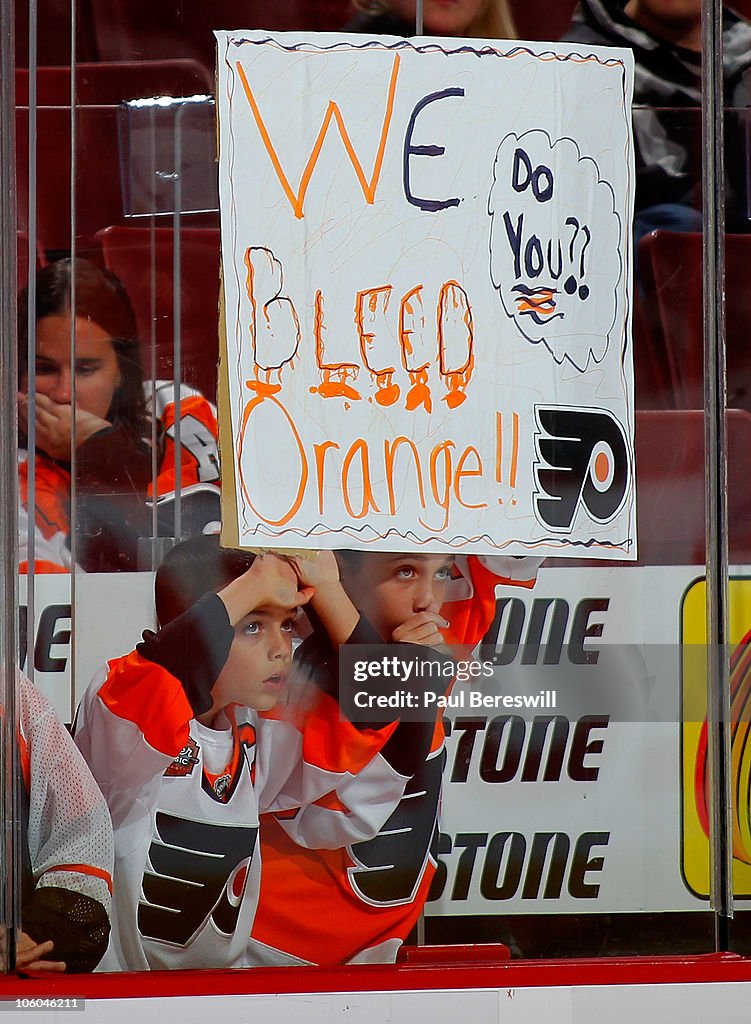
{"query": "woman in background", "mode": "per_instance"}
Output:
(476, 19)
(94, 413)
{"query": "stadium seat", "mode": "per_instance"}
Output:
(670, 467)
(672, 289)
(544, 20)
(143, 260)
(98, 193)
(142, 29)
(651, 377)
(113, 174)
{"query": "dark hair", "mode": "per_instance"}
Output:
(193, 568)
(100, 297)
(348, 559)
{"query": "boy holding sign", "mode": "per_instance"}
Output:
(376, 889)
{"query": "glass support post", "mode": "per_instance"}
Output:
(9, 845)
(715, 442)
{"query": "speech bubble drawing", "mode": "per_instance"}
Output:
(555, 240)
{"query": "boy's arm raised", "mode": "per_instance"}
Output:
(269, 582)
(329, 601)
(137, 720)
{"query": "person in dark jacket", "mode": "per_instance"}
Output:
(665, 36)
(476, 19)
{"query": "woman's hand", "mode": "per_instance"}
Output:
(54, 425)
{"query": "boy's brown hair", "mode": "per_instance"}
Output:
(193, 568)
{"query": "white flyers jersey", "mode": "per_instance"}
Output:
(185, 799)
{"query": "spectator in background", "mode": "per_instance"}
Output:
(665, 36)
(103, 426)
(477, 19)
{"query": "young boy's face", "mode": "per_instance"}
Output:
(259, 659)
(389, 589)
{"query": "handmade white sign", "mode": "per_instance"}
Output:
(426, 254)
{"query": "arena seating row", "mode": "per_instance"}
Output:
(670, 462)
(668, 326)
(128, 30)
(116, 30)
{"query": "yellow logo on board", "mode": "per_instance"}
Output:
(694, 789)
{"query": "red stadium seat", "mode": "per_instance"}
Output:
(98, 194)
(651, 377)
(670, 467)
(106, 146)
(143, 260)
(142, 29)
(106, 82)
(542, 19)
(23, 257)
(672, 277)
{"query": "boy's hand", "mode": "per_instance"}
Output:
(30, 955)
(279, 582)
(337, 613)
(421, 628)
(270, 581)
(320, 571)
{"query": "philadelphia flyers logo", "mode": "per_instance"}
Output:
(196, 871)
(582, 461)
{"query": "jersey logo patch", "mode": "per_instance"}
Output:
(222, 787)
(222, 784)
(185, 761)
(197, 871)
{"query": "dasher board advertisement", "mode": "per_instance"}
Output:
(571, 801)
(427, 267)
(546, 809)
